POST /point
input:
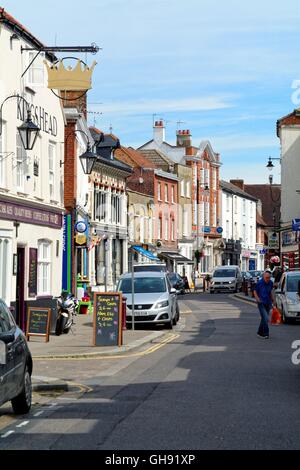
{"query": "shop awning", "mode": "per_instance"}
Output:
(145, 253)
(177, 257)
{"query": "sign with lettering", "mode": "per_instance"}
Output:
(40, 117)
(107, 319)
(38, 322)
(29, 214)
(32, 284)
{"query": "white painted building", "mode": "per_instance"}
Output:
(239, 228)
(31, 199)
(288, 131)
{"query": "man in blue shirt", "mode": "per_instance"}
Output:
(264, 296)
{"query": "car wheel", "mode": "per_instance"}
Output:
(169, 325)
(22, 403)
(212, 291)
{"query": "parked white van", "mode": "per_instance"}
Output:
(226, 279)
(288, 296)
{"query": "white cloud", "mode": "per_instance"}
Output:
(148, 106)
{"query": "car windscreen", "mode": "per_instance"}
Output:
(224, 273)
(149, 268)
(143, 285)
(292, 283)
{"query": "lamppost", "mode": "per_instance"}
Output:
(28, 130)
(276, 202)
(88, 158)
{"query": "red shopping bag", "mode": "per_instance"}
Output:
(276, 317)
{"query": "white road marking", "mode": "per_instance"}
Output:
(8, 433)
(53, 404)
(39, 413)
(24, 423)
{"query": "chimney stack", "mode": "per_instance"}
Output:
(184, 138)
(239, 183)
(159, 132)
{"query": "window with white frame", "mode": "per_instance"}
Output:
(172, 194)
(227, 229)
(251, 235)
(115, 208)
(235, 199)
(202, 177)
(185, 228)
(182, 193)
(244, 206)
(188, 189)
(227, 202)
(214, 214)
(159, 228)
(206, 182)
(52, 159)
(20, 163)
(251, 209)
(159, 191)
(166, 228)
(206, 213)
(202, 213)
(36, 72)
(172, 229)
(166, 193)
(44, 267)
(244, 233)
(214, 173)
(150, 235)
(235, 231)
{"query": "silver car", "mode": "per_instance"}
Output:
(288, 296)
(154, 298)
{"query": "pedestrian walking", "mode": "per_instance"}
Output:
(263, 293)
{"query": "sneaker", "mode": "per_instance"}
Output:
(262, 337)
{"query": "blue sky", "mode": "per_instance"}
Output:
(225, 68)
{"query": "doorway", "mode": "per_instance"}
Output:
(20, 294)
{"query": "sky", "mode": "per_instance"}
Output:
(225, 69)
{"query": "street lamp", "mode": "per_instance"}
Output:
(28, 130)
(88, 158)
(270, 164)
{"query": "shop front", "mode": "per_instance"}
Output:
(232, 253)
(30, 256)
(290, 250)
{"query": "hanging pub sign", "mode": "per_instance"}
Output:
(70, 79)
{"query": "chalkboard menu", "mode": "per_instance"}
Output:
(32, 284)
(38, 322)
(108, 319)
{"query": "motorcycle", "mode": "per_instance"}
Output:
(67, 306)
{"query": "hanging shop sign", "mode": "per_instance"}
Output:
(273, 243)
(66, 79)
(219, 230)
(81, 227)
(80, 239)
(296, 225)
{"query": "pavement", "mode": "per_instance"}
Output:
(77, 344)
(211, 384)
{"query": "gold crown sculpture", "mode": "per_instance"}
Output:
(76, 79)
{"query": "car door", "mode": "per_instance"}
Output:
(172, 298)
(9, 376)
(282, 294)
(18, 350)
(3, 369)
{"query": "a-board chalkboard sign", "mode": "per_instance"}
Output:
(32, 284)
(107, 319)
(38, 322)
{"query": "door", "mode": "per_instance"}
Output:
(20, 294)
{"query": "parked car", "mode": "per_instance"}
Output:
(246, 275)
(155, 300)
(15, 364)
(226, 279)
(177, 282)
(256, 275)
(150, 267)
(288, 296)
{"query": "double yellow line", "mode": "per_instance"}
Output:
(150, 350)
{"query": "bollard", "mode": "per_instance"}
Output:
(124, 299)
(204, 284)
